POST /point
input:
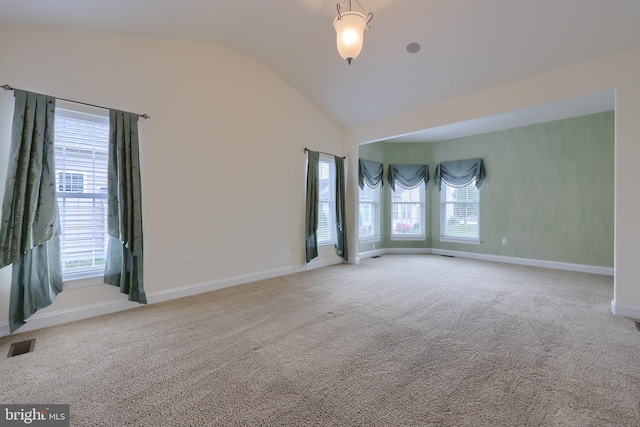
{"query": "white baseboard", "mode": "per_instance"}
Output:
(620, 310)
(52, 318)
(370, 254)
(408, 250)
(198, 288)
(607, 271)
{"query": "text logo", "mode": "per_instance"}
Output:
(34, 415)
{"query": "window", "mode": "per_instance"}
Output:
(460, 211)
(326, 201)
(408, 212)
(369, 213)
(81, 155)
(68, 181)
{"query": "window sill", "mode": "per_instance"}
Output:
(408, 237)
(464, 240)
(374, 239)
(326, 245)
(84, 282)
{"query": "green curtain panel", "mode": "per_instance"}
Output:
(408, 176)
(124, 265)
(36, 280)
(311, 213)
(460, 173)
(370, 173)
(341, 222)
(30, 223)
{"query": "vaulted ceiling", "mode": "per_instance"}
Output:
(466, 45)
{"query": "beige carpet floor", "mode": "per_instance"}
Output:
(418, 340)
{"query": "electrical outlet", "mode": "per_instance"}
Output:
(504, 240)
(187, 261)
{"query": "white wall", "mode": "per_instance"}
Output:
(619, 72)
(215, 113)
(222, 156)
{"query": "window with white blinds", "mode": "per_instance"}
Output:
(326, 233)
(408, 211)
(460, 211)
(81, 155)
(369, 213)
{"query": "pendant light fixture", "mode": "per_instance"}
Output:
(350, 26)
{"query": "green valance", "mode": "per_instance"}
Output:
(370, 173)
(408, 176)
(460, 173)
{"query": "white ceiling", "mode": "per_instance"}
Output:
(467, 45)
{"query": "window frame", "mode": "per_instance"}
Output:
(69, 110)
(422, 216)
(330, 200)
(374, 206)
(70, 181)
(444, 219)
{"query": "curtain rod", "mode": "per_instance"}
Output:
(322, 152)
(8, 88)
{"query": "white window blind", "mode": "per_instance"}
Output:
(460, 211)
(81, 155)
(369, 212)
(326, 201)
(408, 211)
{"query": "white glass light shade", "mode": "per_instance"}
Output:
(350, 34)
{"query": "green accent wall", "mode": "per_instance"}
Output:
(549, 190)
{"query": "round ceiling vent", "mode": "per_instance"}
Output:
(413, 47)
